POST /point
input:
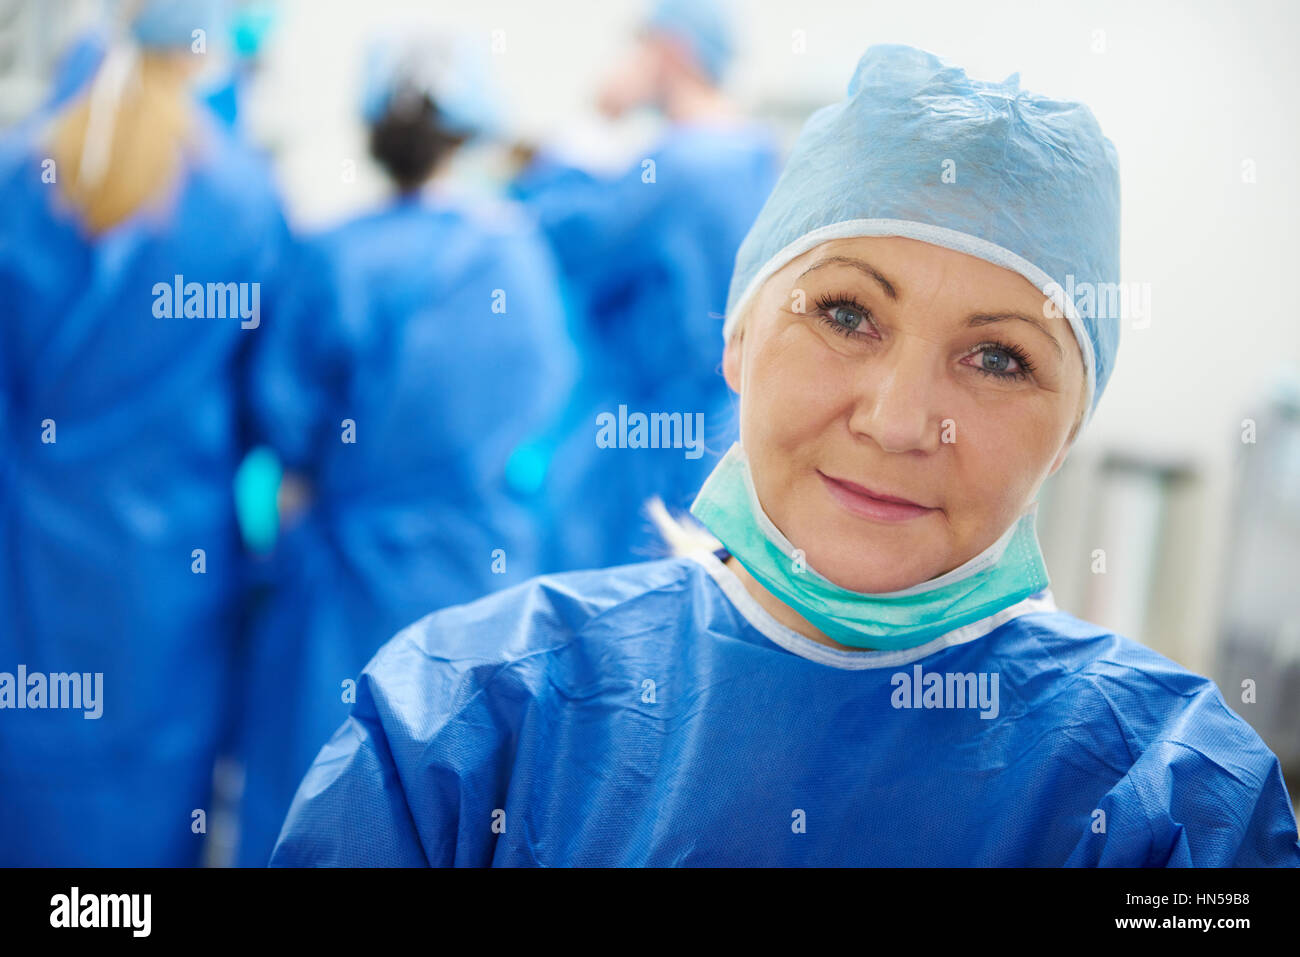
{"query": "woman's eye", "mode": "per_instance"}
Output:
(998, 360)
(1001, 362)
(843, 318)
(844, 315)
(847, 316)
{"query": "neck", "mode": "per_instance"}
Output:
(780, 610)
(692, 102)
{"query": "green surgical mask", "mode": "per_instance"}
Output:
(1008, 571)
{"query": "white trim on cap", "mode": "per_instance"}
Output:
(939, 236)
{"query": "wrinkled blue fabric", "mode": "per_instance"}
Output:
(391, 325)
(646, 266)
(98, 528)
(917, 142)
(632, 716)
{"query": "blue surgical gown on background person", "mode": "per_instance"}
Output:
(99, 528)
(392, 328)
(646, 267)
(655, 714)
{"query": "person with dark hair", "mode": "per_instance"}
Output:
(411, 139)
(420, 345)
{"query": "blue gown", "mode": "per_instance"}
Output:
(98, 528)
(654, 714)
(646, 268)
(392, 327)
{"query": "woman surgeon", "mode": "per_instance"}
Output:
(870, 670)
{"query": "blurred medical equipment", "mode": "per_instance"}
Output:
(1258, 665)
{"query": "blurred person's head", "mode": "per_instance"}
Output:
(410, 141)
(173, 25)
(120, 145)
(676, 63)
(423, 96)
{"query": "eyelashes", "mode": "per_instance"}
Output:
(830, 302)
(831, 305)
(1012, 350)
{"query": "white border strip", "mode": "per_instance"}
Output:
(795, 643)
(939, 236)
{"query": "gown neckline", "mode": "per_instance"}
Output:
(790, 640)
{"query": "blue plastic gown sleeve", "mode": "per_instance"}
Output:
(1226, 770)
(354, 770)
(457, 759)
(299, 368)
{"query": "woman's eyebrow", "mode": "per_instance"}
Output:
(984, 318)
(975, 320)
(862, 267)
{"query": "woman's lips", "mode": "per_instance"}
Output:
(862, 501)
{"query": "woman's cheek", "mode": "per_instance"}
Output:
(1001, 459)
(820, 377)
(799, 394)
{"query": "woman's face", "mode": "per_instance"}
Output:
(909, 370)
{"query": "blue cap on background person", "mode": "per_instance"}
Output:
(703, 25)
(451, 70)
(170, 24)
(918, 149)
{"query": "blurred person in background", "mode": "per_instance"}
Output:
(231, 57)
(119, 415)
(646, 257)
(421, 344)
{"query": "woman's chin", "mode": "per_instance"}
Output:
(873, 578)
(885, 560)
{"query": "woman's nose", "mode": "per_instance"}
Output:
(897, 405)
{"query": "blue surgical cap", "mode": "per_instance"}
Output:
(704, 26)
(170, 24)
(1034, 188)
(451, 69)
